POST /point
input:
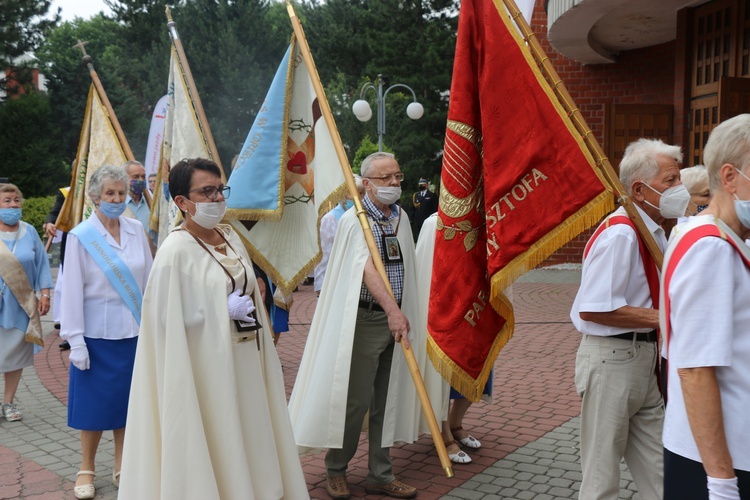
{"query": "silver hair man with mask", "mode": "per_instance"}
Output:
(622, 410)
(136, 201)
(349, 365)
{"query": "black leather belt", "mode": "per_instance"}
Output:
(371, 306)
(639, 336)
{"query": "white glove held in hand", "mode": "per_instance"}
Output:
(79, 356)
(240, 307)
(723, 489)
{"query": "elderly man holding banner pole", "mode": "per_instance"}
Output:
(377, 262)
(622, 410)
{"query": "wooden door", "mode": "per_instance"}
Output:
(624, 123)
(734, 97)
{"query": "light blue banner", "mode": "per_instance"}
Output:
(257, 179)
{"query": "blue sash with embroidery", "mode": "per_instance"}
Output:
(112, 266)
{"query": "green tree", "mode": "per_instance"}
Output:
(23, 26)
(69, 81)
(410, 42)
(29, 145)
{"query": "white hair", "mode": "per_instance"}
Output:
(367, 162)
(729, 143)
(103, 174)
(641, 160)
(693, 176)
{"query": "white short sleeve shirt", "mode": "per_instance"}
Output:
(710, 326)
(613, 276)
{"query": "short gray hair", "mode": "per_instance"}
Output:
(367, 162)
(692, 176)
(129, 163)
(103, 174)
(641, 163)
(729, 143)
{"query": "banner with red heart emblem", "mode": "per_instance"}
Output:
(286, 177)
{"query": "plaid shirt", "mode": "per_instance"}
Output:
(380, 225)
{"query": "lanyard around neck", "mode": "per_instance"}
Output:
(244, 269)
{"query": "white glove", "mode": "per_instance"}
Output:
(79, 356)
(240, 307)
(723, 489)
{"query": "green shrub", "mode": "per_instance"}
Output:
(35, 212)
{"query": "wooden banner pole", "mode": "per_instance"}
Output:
(602, 162)
(371, 245)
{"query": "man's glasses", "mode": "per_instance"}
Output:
(212, 192)
(388, 178)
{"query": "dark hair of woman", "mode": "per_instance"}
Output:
(182, 173)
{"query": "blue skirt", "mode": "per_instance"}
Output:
(98, 397)
(487, 388)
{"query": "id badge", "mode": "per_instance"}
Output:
(244, 326)
(392, 249)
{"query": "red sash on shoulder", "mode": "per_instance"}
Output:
(680, 249)
(649, 266)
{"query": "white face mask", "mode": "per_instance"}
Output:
(208, 215)
(672, 202)
(388, 195)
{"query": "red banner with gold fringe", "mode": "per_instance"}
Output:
(517, 183)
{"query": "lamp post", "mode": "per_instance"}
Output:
(363, 112)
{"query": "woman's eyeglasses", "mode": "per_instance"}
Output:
(212, 192)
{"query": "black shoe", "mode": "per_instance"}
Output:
(57, 326)
(64, 346)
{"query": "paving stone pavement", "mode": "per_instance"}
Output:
(529, 432)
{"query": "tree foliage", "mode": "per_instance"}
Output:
(234, 48)
(23, 26)
(29, 143)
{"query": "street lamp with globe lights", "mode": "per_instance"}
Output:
(363, 112)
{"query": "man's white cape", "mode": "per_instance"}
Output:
(318, 403)
(207, 417)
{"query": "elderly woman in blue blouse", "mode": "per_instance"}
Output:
(107, 262)
(24, 269)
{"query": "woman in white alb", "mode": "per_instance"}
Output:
(207, 417)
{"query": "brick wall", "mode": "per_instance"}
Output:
(641, 76)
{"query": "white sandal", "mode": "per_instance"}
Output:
(457, 458)
(469, 441)
(85, 491)
(116, 478)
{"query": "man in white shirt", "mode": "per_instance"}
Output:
(622, 410)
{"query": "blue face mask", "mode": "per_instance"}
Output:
(112, 210)
(10, 216)
(742, 207)
(349, 204)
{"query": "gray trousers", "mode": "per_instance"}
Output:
(372, 355)
(622, 414)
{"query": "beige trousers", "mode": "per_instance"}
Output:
(622, 414)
